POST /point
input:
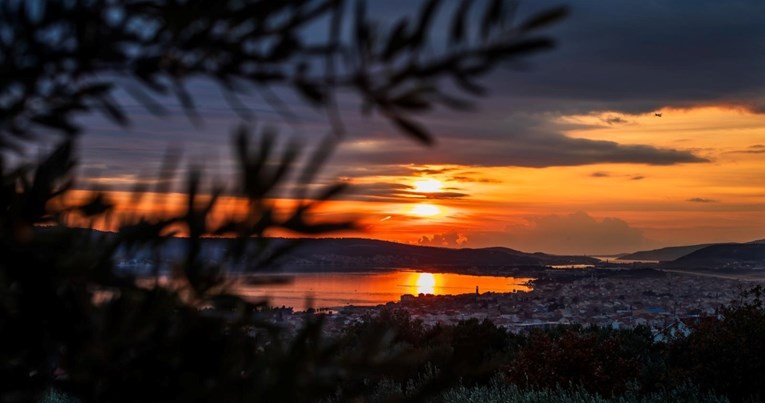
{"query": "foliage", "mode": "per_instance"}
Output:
(719, 360)
(402, 337)
(452, 349)
(472, 360)
(601, 360)
(725, 353)
(500, 392)
(60, 58)
(69, 320)
(398, 323)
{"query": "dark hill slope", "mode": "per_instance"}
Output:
(384, 253)
(664, 254)
(720, 255)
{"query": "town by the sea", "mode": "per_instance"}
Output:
(663, 300)
(335, 290)
(346, 279)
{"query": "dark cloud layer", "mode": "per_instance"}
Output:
(532, 151)
(396, 192)
(753, 149)
(613, 56)
(640, 56)
(615, 120)
(701, 200)
(378, 191)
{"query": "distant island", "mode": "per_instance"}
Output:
(720, 256)
(372, 252)
(663, 254)
(360, 254)
(732, 255)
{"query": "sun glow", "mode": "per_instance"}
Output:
(425, 210)
(426, 283)
(428, 186)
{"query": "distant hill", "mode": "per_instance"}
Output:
(664, 254)
(371, 252)
(362, 254)
(722, 255)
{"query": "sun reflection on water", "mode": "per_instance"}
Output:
(338, 289)
(426, 283)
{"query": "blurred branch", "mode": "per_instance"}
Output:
(56, 57)
(69, 316)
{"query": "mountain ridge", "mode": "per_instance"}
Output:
(725, 250)
(380, 252)
(723, 255)
(668, 253)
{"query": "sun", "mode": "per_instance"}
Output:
(428, 186)
(426, 283)
(425, 210)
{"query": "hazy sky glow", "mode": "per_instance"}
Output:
(564, 156)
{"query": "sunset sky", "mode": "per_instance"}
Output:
(565, 155)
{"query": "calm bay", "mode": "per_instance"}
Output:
(338, 289)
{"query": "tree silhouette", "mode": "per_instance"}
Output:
(68, 318)
(60, 58)
(724, 353)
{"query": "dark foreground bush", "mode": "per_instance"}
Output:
(500, 392)
(69, 320)
(726, 353)
(601, 360)
(721, 359)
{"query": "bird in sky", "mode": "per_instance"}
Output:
(658, 114)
